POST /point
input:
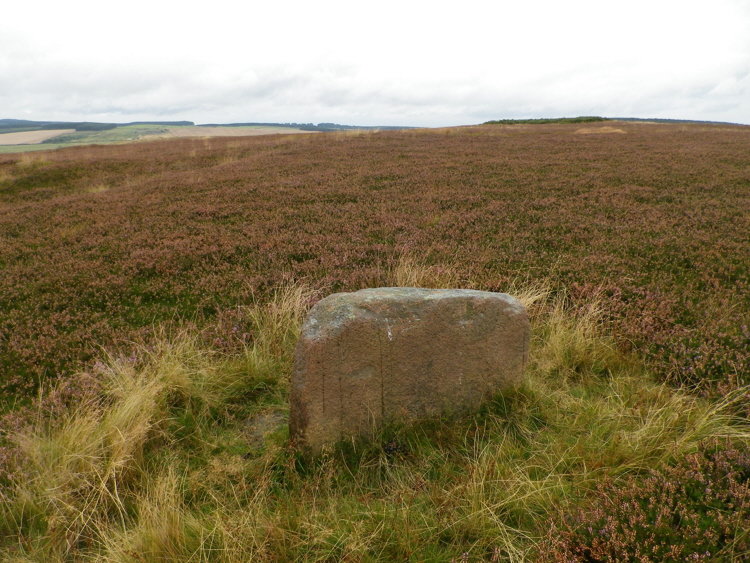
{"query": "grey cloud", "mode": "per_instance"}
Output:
(127, 92)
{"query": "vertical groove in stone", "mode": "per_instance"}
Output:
(526, 337)
(341, 398)
(382, 375)
(323, 387)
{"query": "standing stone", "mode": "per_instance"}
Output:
(401, 353)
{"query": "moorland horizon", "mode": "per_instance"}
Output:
(14, 121)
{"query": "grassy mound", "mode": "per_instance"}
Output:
(179, 453)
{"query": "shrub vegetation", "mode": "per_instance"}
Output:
(696, 508)
(99, 243)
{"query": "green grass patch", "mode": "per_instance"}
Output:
(13, 149)
(117, 135)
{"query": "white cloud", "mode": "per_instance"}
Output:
(411, 63)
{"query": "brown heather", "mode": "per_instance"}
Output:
(696, 510)
(99, 244)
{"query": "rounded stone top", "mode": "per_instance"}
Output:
(336, 309)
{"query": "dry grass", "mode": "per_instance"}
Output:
(409, 272)
(276, 329)
(154, 466)
(572, 344)
(29, 161)
(596, 130)
(97, 188)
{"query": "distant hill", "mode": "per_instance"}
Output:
(593, 118)
(546, 120)
(20, 125)
(307, 126)
(665, 120)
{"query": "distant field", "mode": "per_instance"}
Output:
(196, 131)
(31, 137)
(55, 139)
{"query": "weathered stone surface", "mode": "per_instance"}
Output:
(401, 354)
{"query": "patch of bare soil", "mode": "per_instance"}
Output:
(31, 137)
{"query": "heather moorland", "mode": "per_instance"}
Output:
(150, 296)
(101, 243)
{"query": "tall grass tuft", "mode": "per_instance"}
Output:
(410, 272)
(573, 341)
(276, 327)
(82, 468)
(165, 529)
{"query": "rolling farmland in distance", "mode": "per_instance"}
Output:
(18, 135)
(50, 139)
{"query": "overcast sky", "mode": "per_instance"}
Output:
(373, 63)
